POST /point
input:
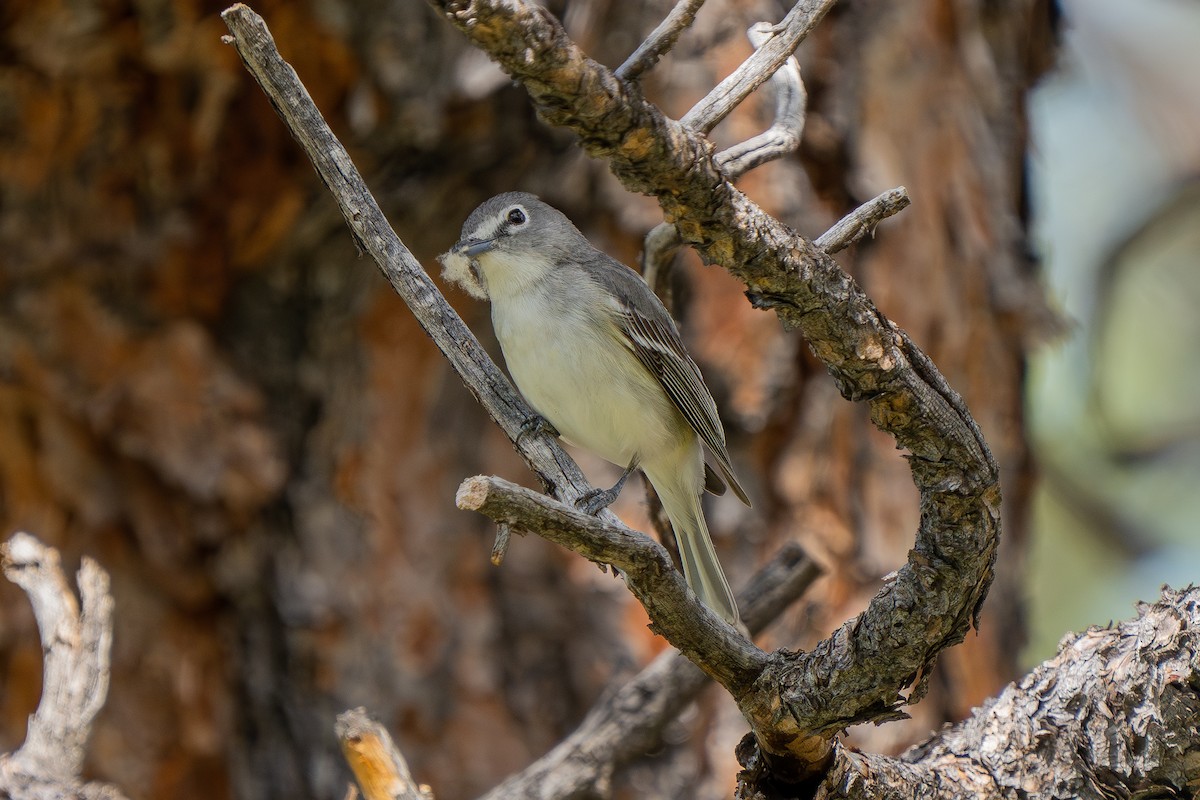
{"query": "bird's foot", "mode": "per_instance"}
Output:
(596, 500)
(536, 425)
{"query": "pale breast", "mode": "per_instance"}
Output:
(570, 364)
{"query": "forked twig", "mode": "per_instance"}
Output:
(787, 128)
(759, 67)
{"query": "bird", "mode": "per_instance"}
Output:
(598, 357)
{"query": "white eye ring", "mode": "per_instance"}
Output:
(516, 216)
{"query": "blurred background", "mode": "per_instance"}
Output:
(205, 387)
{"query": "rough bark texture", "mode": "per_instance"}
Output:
(1115, 714)
(203, 388)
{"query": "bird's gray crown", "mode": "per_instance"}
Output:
(516, 214)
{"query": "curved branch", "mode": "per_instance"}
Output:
(791, 102)
(777, 48)
(662, 242)
(658, 253)
(858, 673)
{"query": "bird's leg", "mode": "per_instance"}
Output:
(534, 425)
(597, 499)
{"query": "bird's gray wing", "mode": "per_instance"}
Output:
(652, 337)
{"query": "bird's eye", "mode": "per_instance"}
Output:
(516, 216)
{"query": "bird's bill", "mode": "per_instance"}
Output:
(474, 247)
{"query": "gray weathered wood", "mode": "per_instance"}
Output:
(76, 647)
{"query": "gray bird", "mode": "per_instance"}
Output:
(597, 355)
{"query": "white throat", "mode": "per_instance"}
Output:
(508, 276)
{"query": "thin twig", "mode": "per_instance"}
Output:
(785, 132)
(852, 227)
(675, 612)
(662, 242)
(759, 67)
(660, 40)
(500, 546)
(658, 253)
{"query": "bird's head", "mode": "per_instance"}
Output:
(512, 236)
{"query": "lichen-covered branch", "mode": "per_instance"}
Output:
(76, 645)
(859, 673)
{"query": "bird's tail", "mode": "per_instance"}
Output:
(700, 565)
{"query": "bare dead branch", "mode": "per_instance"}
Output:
(1094, 721)
(660, 40)
(783, 136)
(862, 220)
(663, 241)
(658, 252)
(630, 721)
(76, 646)
(500, 546)
(759, 67)
(674, 610)
(380, 769)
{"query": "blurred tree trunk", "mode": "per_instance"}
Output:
(204, 388)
